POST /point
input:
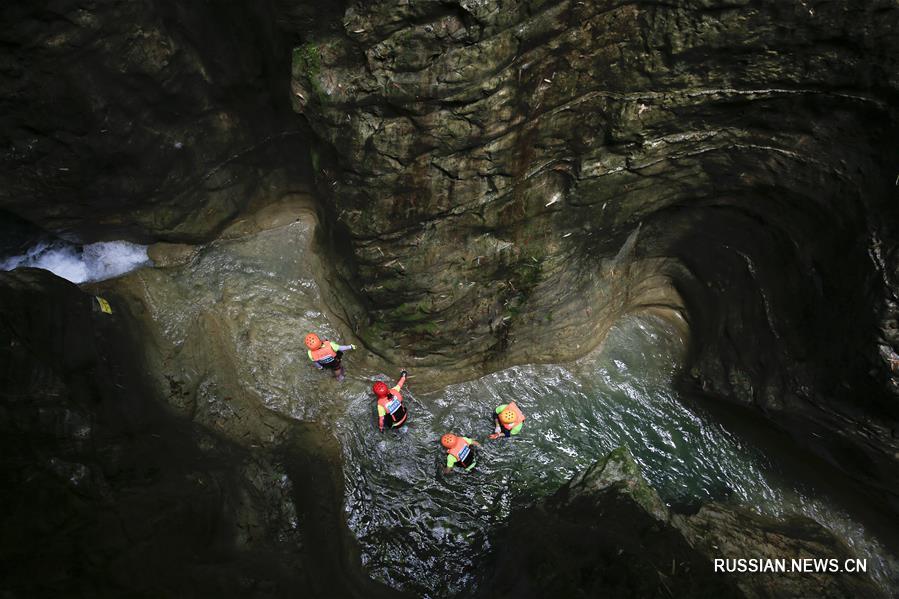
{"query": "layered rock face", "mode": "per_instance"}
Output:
(505, 178)
(143, 119)
(499, 180)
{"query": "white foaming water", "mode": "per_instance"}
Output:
(80, 264)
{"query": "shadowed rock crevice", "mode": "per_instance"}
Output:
(106, 491)
(145, 120)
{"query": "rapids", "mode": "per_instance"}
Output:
(81, 263)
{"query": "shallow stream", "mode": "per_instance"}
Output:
(427, 531)
(419, 529)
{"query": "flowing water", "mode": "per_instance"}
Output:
(426, 531)
(81, 263)
(420, 529)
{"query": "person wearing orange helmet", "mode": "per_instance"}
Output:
(326, 354)
(459, 451)
(390, 403)
(508, 420)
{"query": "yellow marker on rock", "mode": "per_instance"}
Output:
(104, 305)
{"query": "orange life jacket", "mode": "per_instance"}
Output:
(461, 450)
(519, 417)
(325, 354)
(393, 405)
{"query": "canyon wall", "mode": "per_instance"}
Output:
(503, 179)
(498, 180)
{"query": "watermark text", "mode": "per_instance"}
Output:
(806, 565)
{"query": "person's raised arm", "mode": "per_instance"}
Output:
(402, 381)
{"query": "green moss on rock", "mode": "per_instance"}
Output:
(307, 64)
(620, 471)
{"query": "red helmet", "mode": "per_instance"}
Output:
(313, 341)
(380, 389)
(448, 440)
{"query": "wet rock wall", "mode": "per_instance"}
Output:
(500, 179)
(503, 178)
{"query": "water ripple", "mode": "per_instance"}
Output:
(425, 531)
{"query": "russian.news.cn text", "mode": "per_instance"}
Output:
(808, 565)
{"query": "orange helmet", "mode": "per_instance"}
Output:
(380, 389)
(507, 416)
(313, 341)
(448, 440)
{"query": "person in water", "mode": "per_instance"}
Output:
(459, 451)
(390, 403)
(508, 420)
(326, 354)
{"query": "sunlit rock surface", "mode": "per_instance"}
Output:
(224, 325)
(496, 182)
(501, 179)
(505, 178)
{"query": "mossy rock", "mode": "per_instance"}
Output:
(307, 64)
(620, 471)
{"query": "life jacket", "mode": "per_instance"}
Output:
(323, 355)
(462, 452)
(393, 405)
(519, 417)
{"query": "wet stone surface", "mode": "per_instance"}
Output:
(229, 323)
